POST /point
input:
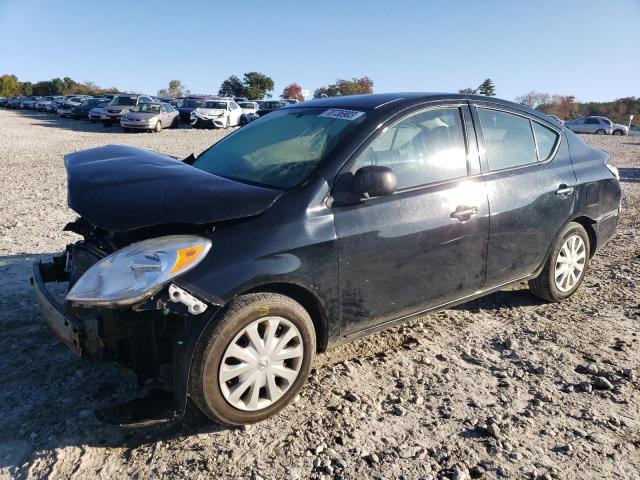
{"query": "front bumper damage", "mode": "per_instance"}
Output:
(209, 122)
(69, 330)
(141, 339)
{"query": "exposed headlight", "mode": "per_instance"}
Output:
(613, 170)
(138, 271)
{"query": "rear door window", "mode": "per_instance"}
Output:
(423, 148)
(546, 140)
(509, 139)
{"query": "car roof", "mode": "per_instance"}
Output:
(378, 100)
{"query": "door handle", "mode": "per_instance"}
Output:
(463, 213)
(564, 191)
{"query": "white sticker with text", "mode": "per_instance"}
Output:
(342, 114)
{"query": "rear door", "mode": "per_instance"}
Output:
(531, 188)
(426, 244)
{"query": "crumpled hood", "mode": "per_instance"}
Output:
(121, 188)
(208, 111)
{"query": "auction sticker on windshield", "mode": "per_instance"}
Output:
(342, 114)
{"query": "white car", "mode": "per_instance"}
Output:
(44, 104)
(248, 107)
(619, 129)
(217, 112)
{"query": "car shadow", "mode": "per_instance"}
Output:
(57, 397)
(629, 175)
(82, 125)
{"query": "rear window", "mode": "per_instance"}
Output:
(279, 150)
(123, 101)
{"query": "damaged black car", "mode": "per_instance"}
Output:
(314, 225)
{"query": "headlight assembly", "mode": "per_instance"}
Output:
(136, 272)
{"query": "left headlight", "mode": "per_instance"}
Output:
(136, 272)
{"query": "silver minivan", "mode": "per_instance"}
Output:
(597, 125)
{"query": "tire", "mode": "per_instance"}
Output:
(223, 333)
(600, 131)
(617, 132)
(545, 285)
(227, 123)
(158, 127)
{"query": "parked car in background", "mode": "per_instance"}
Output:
(216, 112)
(595, 125)
(150, 116)
(187, 105)
(619, 129)
(14, 102)
(318, 224)
(3, 101)
(249, 112)
(268, 106)
(82, 110)
(96, 113)
(44, 102)
(65, 109)
(29, 103)
(120, 105)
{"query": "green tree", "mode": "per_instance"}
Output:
(342, 87)
(257, 85)
(232, 87)
(175, 90)
(57, 86)
(27, 88)
(487, 88)
(468, 91)
(9, 86)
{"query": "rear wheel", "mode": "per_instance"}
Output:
(600, 131)
(566, 266)
(252, 360)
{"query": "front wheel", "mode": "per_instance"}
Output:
(158, 127)
(566, 266)
(617, 132)
(253, 359)
(600, 131)
(227, 123)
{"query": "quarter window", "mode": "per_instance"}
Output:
(509, 139)
(426, 147)
(546, 140)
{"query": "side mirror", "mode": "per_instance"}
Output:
(375, 181)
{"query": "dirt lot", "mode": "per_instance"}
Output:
(506, 386)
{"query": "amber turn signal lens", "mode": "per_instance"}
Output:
(186, 256)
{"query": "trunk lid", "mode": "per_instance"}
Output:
(121, 188)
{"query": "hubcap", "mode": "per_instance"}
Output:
(261, 363)
(570, 263)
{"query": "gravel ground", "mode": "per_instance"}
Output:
(506, 386)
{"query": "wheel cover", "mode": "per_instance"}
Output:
(570, 263)
(261, 363)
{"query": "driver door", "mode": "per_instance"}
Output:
(425, 245)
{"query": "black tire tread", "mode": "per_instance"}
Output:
(196, 391)
(540, 286)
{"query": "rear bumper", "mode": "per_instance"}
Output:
(69, 330)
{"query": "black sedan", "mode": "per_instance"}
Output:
(314, 225)
(88, 104)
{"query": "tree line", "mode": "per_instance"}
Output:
(10, 86)
(566, 107)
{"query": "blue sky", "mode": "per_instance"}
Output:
(590, 49)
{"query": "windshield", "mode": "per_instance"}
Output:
(216, 105)
(271, 105)
(247, 105)
(123, 101)
(279, 150)
(147, 108)
(188, 103)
